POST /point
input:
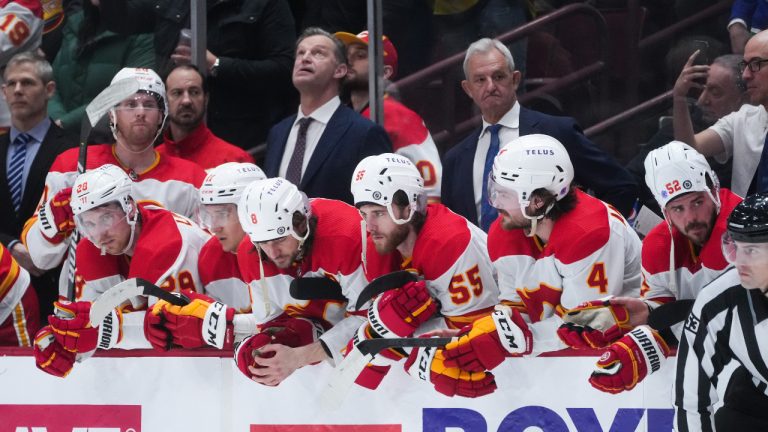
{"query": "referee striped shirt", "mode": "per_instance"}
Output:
(726, 323)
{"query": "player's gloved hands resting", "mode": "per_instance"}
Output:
(629, 360)
(398, 312)
(485, 343)
(56, 218)
(378, 368)
(73, 330)
(284, 330)
(428, 364)
(203, 321)
(594, 324)
(50, 356)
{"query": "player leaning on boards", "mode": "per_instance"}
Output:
(680, 256)
(728, 323)
(217, 265)
(445, 250)
(123, 239)
(288, 238)
(553, 247)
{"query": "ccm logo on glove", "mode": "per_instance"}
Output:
(215, 336)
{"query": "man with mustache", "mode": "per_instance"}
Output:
(188, 137)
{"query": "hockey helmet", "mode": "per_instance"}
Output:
(377, 178)
(266, 209)
(225, 183)
(748, 222)
(149, 82)
(100, 186)
(676, 169)
(526, 164)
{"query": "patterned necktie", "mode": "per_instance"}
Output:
(16, 168)
(487, 212)
(293, 174)
(761, 183)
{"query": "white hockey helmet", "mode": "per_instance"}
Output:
(266, 209)
(225, 183)
(149, 82)
(377, 178)
(676, 169)
(100, 186)
(528, 163)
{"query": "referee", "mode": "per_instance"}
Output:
(729, 322)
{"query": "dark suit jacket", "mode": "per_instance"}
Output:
(594, 169)
(11, 223)
(347, 139)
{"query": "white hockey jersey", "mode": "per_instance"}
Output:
(220, 276)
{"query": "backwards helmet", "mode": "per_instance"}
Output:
(676, 169)
(376, 179)
(225, 183)
(528, 163)
(748, 222)
(266, 209)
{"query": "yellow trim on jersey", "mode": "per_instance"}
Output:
(21, 325)
(692, 249)
(539, 244)
(11, 277)
(127, 168)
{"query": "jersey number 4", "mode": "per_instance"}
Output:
(597, 278)
(464, 285)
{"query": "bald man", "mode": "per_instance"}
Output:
(741, 134)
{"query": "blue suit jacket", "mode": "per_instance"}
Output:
(347, 139)
(594, 169)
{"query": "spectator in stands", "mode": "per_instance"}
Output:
(249, 44)
(19, 311)
(319, 147)
(88, 58)
(187, 136)
(406, 129)
(748, 17)
(741, 134)
(723, 93)
(491, 82)
(26, 154)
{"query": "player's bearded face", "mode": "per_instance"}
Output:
(357, 73)
(282, 251)
(138, 119)
(385, 233)
(694, 215)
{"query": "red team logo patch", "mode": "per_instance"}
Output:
(68, 418)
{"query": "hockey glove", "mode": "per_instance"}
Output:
(629, 360)
(594, 324)
(288, 331)
(485, 343)
(203, 321)
(56, 218)
(398, 312)
(73, 330)
(378, 368)
(50, 356)
(428, 364)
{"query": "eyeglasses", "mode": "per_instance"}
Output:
(754, 65)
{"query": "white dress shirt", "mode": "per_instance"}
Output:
(320, 117)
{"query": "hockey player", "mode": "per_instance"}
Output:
(19, 311)
(123, 239)
(728, 323)
(288, 237)
(136, 122)
(553, 247)
(217, 265)
(406, 129)
(695, 210)
(442, 248)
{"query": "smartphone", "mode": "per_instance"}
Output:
(703, 47)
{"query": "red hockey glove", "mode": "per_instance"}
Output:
(485, 343)
(428, 364)
(378, 368)
(50, 356)
(73, 330)
(594, 324)
(56, 218)
(629, 360)
(203, 321)
(288, 331)
(398, 312)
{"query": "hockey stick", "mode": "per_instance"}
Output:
(344, 375)
(316, 288)
(384, 283)
(127, 289)
(95, 110)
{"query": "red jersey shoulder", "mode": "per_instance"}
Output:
(503, 242)
(98, 155)
(92, 265)
(248, 260)
(215, 264)
(582, 231)
(403, 125)
(441, 242)
(158, 245)
(338, 243)
(173, 168)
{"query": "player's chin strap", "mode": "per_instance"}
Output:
(535, 219)
(671, 278)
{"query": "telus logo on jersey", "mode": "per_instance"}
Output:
(71, 418)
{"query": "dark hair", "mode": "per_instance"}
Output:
(559, 208)
(339, 49)
(400, 199)
(194, 68)
(299, 222)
